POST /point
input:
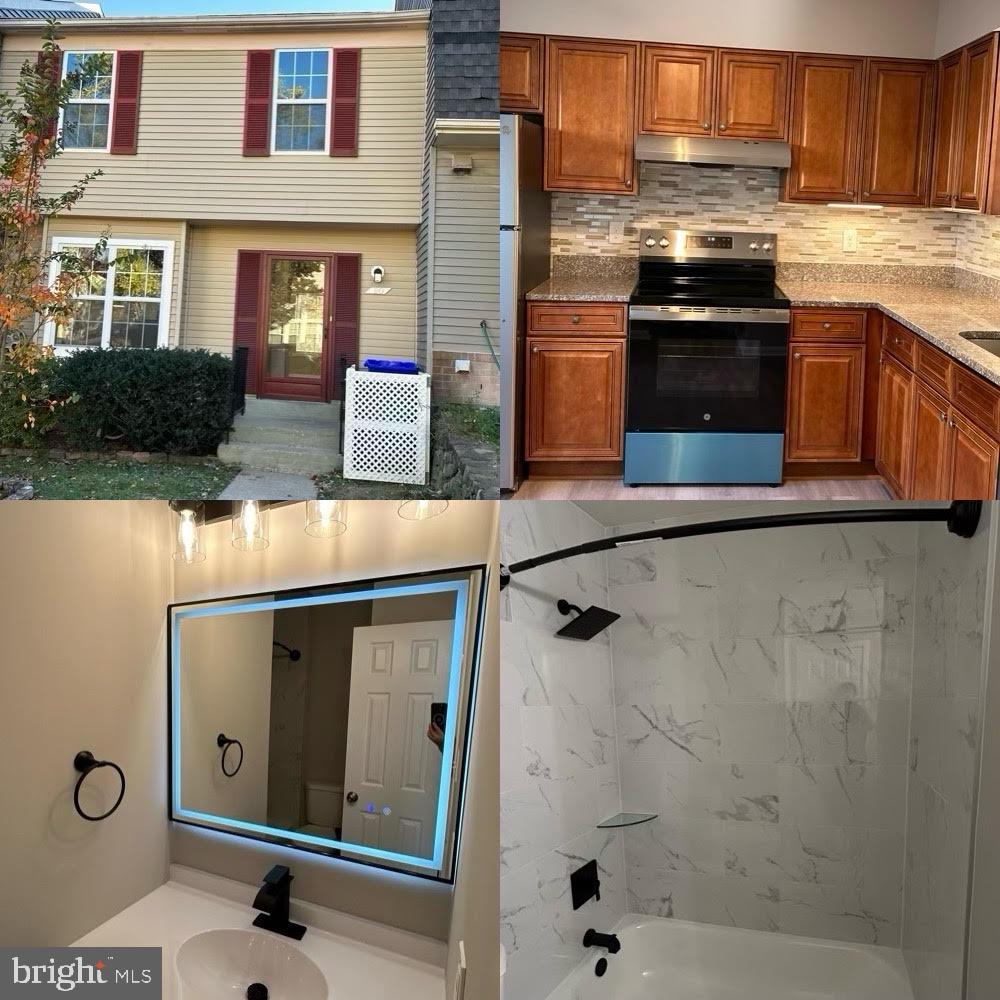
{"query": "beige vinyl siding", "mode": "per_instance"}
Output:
(388, 322)
(466, 281)
(190, 164)
(167, 230)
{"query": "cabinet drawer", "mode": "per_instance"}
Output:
(828, 324)
(900, 342)
(976, 398)
(934, 368)
(576, 318)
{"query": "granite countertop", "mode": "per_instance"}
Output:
(938, 314)
(584, 288)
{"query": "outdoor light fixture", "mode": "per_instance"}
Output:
(421, 510)
(191, 519)
(326, 518)
(250, 526)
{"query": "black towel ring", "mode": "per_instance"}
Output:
(225, 742)
(84, 762)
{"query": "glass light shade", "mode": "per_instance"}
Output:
(326, 518)
(250, 526)
(189, 547)
(421, 510)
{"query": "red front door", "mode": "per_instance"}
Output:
(295, 326)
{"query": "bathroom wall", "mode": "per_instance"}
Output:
(945, 740)
(83, 640)
(761, 691)
(558, 759)
(462, 536)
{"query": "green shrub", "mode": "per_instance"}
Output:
(30, 404)
(168, 399)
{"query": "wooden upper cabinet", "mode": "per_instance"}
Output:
(826, 121)
(521, 59)
(975, 124)
(949, 101)
(590, 115)
(753, 94)
(678, 90)
(899, 117)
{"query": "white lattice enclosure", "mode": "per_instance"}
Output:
(387, 421)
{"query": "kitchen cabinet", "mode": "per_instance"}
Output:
(898, 123)
(825, 403)
(965, 126)
(894, 448)
(974, 462)
(521, 61)
(574, 399)
(826, 128)
(590, 115)
(932, 451)
(735, 93)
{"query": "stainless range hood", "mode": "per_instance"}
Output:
(712, 152)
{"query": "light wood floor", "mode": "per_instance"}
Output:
(612, 489)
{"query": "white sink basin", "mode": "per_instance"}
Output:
(221, 965)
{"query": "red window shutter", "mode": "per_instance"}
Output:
(125, 113)
(249, 275)
(344, 107)
(346, 317)
(257, 110)
(50, 64)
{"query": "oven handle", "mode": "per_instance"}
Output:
(688, 314)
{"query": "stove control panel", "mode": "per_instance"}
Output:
(688, 244)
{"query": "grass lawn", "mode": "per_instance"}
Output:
(56, 479)
(479, 422)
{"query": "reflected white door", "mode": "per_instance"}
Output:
(397, 672)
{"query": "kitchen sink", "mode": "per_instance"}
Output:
(986, 340)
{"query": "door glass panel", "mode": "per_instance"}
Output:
(295, 319)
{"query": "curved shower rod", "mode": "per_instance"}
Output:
(962, 518)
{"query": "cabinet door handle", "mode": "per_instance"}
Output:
(575, 320)
(952, 424)
(706, 124)
(534, 350)
(722, 128)
(827, 326)
(797, 355)
(944, 417)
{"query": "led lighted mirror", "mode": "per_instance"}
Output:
(333, 719)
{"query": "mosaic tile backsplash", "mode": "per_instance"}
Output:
(682, 196)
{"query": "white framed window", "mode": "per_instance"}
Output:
(126, 299)
(85, 122)
(300, 119)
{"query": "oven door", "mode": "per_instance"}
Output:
(707, 370)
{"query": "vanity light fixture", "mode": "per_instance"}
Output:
(250, 526)
(421, 510)
(326, 518)
(189, 547)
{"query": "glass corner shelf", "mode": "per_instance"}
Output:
(625, 819)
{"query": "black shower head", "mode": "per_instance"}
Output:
(293, 654)
(587, 623)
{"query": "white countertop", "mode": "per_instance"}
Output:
(168, 916)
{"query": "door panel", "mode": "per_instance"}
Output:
(976, 125)
(521, 72)
(974, 469)
(932, 446)
(753, 94)
(893, 451)
(826, 117)
(678, 90)
(946, 129)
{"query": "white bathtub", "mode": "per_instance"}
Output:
(678, 960)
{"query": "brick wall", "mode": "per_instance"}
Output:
(480, 385)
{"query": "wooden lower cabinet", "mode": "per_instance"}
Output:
(974, 462)
(893, 449)
(574, 399)
(824, 403)
(931, 446)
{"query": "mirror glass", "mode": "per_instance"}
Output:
(328, 719)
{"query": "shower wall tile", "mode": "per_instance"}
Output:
(762, 687)
(945, 736)
(559, 756)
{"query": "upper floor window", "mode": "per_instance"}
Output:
(86, 119)
(301, 101)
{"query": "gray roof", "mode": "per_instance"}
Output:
(63, 10)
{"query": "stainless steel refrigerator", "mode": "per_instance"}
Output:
(525, 229)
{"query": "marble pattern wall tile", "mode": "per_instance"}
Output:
(559, 757)
(945, 733)
(762, 701)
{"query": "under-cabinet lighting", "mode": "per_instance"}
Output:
(421, 510)
(326, 518)
(852, 205)
(250, 526)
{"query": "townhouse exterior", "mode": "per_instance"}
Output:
(269, 177)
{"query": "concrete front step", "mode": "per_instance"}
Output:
(276, 430)
(309, 461)
(290, 409)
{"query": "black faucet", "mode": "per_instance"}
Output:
(273, 899)
(594, 940)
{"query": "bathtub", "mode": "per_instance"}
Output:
(665, 959)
